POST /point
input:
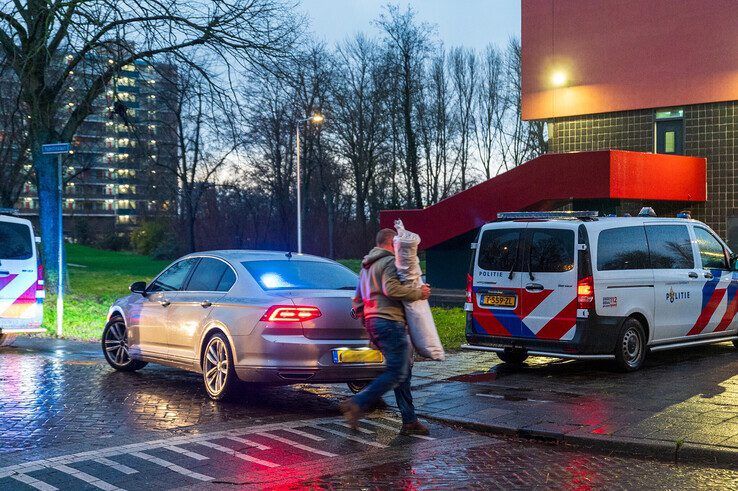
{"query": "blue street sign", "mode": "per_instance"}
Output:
(55, 148)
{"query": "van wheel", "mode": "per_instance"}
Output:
(218, 372)
(357, 385)
(630, 352)
(513, 356)
(7, 339)
(115, 347)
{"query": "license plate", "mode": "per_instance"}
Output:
(357, 356)
(498, 300)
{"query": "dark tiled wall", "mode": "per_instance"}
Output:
(710, 130)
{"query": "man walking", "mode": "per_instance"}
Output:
(379, 298)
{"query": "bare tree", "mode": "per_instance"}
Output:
(46, 42)
(14, 157)
(463, 64)
(488, 108)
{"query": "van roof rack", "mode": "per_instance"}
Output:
(9, 211)
(547, 215)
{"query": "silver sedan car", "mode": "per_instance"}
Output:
(252, 316)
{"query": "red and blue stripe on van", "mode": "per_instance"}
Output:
(718, 292)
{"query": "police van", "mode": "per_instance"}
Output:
(21, 278)
(579, 286)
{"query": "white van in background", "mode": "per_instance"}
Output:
(21, 279)
(575, 285)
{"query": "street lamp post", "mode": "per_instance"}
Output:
(317, 119)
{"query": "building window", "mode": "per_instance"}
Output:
(670, 131)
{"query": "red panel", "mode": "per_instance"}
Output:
(550, 179)
(627, 54)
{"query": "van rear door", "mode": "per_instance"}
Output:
(549, 282)
(18, 275)
(497, 280)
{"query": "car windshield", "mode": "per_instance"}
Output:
(301, 275)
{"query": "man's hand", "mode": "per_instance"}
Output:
(425, 292)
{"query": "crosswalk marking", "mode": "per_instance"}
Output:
(115, 465)
(358, 428)
(348, 436)
(295, 444)
(34, 483)
(305, 434)
(192, 455)
(388, 427)
(238, 454)
(248, 442)
(83, 476)
(171, 467)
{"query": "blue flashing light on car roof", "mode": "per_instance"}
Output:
(274, 280)
(646, 211)
(684, 214)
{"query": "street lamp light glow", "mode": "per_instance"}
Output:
(559, 78)
(317, 118)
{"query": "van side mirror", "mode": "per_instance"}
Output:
(733, 261)
(138, 287)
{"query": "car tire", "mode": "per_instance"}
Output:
(218, 372)
(7, 339)
(513, 356)
(357, 385)
(115, 346)
(630, 351)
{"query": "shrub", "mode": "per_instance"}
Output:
(148, 236)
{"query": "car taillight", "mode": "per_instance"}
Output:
(291, 313)
(585, 293)
(469, 282)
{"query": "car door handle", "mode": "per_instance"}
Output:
(206, 304)
(165, 303)
(534, 287)
(709, 275)
(692, 274)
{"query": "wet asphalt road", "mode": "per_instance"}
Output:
(67, 421)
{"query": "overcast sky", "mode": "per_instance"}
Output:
(471, 23)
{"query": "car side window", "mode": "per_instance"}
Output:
(711, 251)
(172, 278)
(211, 275)
(622, 248)
(670, 247)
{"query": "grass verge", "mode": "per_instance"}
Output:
(98, 277)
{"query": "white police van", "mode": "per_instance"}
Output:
(576, 285)
(21, 279)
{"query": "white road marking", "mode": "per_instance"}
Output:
(248, 442)
(115, 465)
(348, 436)
(523, 399)
(295, 444)
(34, 483)
(171, 467)
(192, 455)
(388, 427)
(305, 434)
(238, 454)
(83, 476)
(358, 428)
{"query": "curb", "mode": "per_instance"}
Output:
(659, 449)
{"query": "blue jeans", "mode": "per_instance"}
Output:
(391, 339)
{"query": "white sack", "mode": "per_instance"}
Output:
(418, 314)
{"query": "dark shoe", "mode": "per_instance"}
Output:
(352, 412)
(414, 428)
(380, 405)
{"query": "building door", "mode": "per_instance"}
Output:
(670, 137)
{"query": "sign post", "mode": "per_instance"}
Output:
(59, 149)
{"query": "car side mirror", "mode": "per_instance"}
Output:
(138, 287)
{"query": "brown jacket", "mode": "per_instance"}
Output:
(380, 292)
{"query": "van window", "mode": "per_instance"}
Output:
(670, 246)
(552, 251)
(498, 249)
(711, 251)
(16, 242)
(622, 249)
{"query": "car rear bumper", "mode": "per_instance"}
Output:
(286, 359)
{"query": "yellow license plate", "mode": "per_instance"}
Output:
(497, 300)
(357, 356)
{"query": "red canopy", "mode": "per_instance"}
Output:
(550, 179)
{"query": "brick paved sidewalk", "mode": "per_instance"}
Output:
(683, 403)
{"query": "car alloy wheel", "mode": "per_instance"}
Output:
(116, 344)
(218, 372)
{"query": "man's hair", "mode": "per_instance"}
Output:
(385, 235)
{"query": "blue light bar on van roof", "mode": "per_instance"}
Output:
(8, 211)
(545, 215)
